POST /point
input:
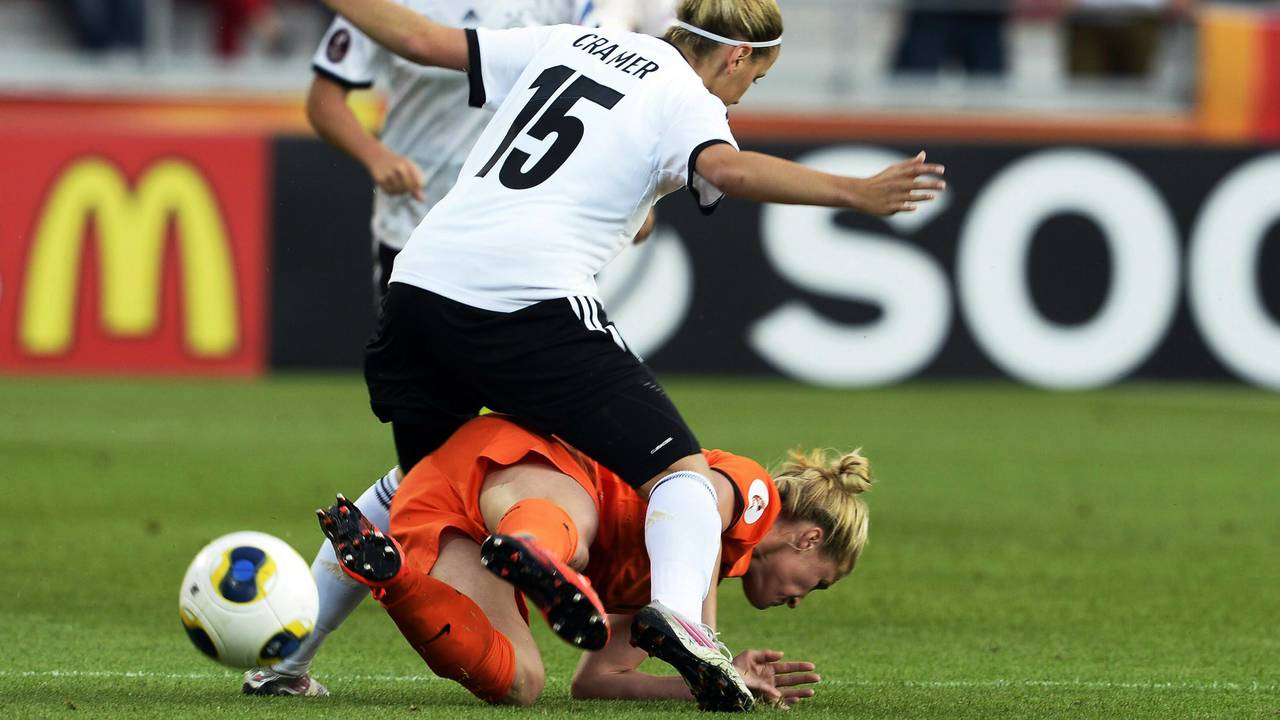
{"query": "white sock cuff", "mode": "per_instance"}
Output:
(385, 489)
(684, 476)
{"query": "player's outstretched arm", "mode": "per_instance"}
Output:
(333, 120)
(405, 32)
(611, 674)
(764, 178)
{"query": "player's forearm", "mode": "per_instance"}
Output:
(395, 27)
(764, 178)
(629, 685)
(333, 121)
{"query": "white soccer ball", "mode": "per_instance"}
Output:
(248, 600)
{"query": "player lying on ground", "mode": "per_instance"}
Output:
(538, 515)
(493, 300)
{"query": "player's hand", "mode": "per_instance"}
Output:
(900, 187)
(774, 681)
(396, 174)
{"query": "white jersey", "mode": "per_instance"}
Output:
(427, 116)
(592, 128)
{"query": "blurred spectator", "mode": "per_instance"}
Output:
(107, 24)
(651, 17)
(233, 20)
(936, 35)
(1117, 38)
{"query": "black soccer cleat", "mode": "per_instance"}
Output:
(368, 555)
(693, 650)
(564, 595)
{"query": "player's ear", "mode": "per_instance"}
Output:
(811, 538)
(738, 57)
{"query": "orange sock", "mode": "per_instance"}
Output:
(451, 633)
(546, 522)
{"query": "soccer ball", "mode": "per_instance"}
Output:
(248, 600)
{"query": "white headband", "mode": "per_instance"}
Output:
(724, 40)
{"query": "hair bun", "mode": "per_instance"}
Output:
(849, 472)
(853, 472)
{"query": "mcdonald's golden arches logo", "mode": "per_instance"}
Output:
(132, 230)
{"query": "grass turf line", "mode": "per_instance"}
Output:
(1110, 554)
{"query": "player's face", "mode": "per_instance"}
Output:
(736, 83)
(786, 576)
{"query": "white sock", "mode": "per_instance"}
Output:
(682, 534)
(339, 594)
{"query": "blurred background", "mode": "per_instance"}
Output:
(1113, 192)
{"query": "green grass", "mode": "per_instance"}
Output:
(1109, 555)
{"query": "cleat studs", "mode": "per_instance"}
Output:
(593, 620)
(388, 550)
(348, 558)
(557, 626)
(484, 560)
(367, 566)
(577, 639)
(577, 597)
(497, 542)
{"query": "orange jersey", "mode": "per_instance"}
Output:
(443, 493)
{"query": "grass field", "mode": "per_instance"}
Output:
(1033, 555)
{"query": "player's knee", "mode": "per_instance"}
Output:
(527, 687)
(581, 558)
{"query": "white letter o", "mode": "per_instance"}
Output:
(994, 244)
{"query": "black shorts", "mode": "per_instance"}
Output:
(384, 257)
(559, 366)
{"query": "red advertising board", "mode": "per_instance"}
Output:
(136, 255)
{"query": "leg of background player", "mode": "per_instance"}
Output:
(339, 594)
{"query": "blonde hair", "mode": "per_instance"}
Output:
(747, 20)
(822, 487)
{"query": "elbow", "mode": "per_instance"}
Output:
(314, 113)
(580, 690)
(584, 687)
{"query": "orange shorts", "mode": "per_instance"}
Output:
(443, 491)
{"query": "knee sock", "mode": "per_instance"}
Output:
(339, 594)
(545, 522)
(682, 535)
(451, 633)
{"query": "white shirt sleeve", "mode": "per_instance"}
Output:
(348, 56)
(698, 121)
(498, 57)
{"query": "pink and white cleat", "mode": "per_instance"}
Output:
(692, 649)
(269, 682)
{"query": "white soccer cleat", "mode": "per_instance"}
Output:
(692, 649)
(269, 682)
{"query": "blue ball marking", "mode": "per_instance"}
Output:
(281, 645)
(243, 570)
(201, 640)
(240, 584)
